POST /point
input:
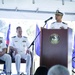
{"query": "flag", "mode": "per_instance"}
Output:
(74, 42)
(8, 34)
(73, 55)
(7, 43)
(37, 41)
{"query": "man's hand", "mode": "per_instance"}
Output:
(3, 52)
(14, 49)
(62, 27)
(16, 52)
(28, 52)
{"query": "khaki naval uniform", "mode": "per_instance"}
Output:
(5, 57)
(58, 25)
(21, 44)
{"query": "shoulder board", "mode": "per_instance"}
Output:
(24, 36)
(13, 36)
(64, 23)
(53, 23)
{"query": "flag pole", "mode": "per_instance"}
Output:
(32, 44)
(40, 31)
(7, 39)
(8, 49)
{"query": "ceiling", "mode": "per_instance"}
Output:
(36, 9)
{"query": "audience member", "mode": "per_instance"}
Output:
(42, 70)
(58, 70)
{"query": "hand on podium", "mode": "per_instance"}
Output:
(62, 27)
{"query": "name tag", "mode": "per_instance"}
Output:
(16, 41)
(24, 41)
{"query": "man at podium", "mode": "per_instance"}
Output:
(58, 24)
(62, 25)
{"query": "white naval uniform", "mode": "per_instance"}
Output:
(58, 25)
(5, 57)
(21, 44)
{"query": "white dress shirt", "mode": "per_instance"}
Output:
(21, 44)
(58, 25)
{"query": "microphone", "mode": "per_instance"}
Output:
(48, 19)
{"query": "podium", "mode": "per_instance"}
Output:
(56, 47)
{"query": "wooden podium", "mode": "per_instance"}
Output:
(58, 52)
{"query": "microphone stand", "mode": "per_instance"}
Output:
(32, 44)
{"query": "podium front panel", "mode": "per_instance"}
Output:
(53, 54)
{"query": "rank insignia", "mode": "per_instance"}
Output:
(16, 41)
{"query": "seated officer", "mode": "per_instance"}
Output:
(20, 45)
(5, 57)
(58, 24)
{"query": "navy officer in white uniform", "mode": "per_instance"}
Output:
(61, 25)
(58, 24)
(5, 57)
(20, 46)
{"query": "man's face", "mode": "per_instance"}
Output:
(19, 31)
(58, 17)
